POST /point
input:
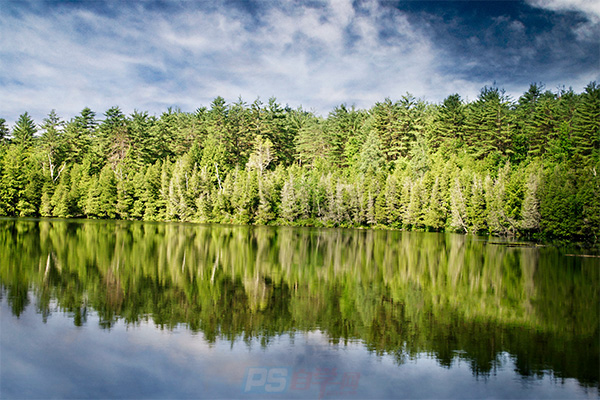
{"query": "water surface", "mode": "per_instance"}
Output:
(104, 309)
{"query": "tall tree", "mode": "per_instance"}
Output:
(449, 125)
(587, 124)
(24, 131)
(53, 144)
(13, 180)
(80, 133)
(114, 136)
(489, 123)
(4, 132)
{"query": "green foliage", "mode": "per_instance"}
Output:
(14, 180)
(487, 166)
(107, 196)
(22, 134)
(4, 132)
(559, 208)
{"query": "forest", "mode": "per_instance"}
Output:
(494, 165)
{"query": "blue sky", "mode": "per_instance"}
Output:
(316, 54)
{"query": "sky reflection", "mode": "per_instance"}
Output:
(58, 359)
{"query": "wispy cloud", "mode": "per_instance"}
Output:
(591, 8)
(149, 56)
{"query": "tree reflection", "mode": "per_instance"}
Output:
(451, 296)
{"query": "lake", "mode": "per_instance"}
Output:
(114, 309)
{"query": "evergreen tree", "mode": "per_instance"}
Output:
(24, 131)
(559, 208)
(30, 201)
(587, 125)
(151, 193)
(53, 144)
(46, 200)
(488, 123)
(125, 197)
(530, 211)
(393, 210)
(138, 186)
(13, 180)
(588, 197)
(61, 200)
(435, 216)
(449, 125)
(370, 158)
(458, 207)
(311, 144)
(107, 198)
(465, 166)
(92, 205)
(113, 136)
(4, 132)
(343, 134)
(477, 206)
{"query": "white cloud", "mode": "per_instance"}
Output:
(317, 57)
(591, 8)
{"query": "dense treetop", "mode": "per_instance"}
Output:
(495, 164)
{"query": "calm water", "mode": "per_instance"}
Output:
(97, 309)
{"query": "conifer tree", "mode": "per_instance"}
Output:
(587, 125)
(24, 131)
(13, 180)
(92, 204)
(458, 207)
(61, 199)
(530, 210)
(4, 132)
(393, 206)
(435, 216)
(108, 193)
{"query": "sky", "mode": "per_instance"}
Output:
(152, 55)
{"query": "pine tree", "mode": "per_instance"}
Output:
(53, 144)
(13, 180)
(108, 193)
(370, 158)
(289, 210)
(151, 193)
(449, 125)
(458, 207)
(92, 205)
(4, 132)
(138, 185)
(265, 211)
(311, 143)
(24, 131)
(476, 206)
(530, 209)
(435, 216)
(45, 203)
(414, 215)
(114, 137)
(61, 200)
(559, 208)
(588, 196)
(488, 123)
(586, 125)
(125, 198)
(29, 203)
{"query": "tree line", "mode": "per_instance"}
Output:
(492, 165)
